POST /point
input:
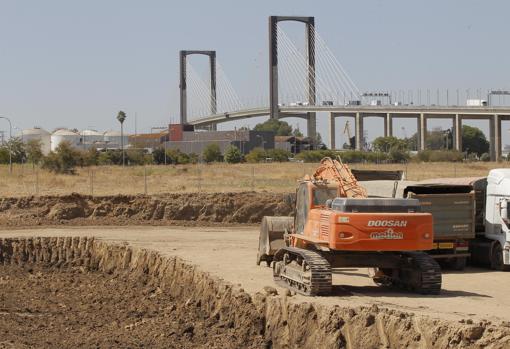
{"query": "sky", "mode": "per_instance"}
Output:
(77, 63)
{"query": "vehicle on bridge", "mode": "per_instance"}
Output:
(336, 225)
(476, 103)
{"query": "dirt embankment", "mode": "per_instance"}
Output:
(77, 283)
(192, 208)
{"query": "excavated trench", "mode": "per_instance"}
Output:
(83, 292)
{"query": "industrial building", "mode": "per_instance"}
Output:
(148, 140)
(65, 135)
(187, 140)
(83, 140)
(37, 134)
(293, 144)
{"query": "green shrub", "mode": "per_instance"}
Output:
(212, 153)
(439, 156)
(4, 155)
(34, 151)
(398, 155)
(193, 158)
(158, 156)
(279, 155)
(134, 157)
(256, 155)
(233, 155)
(485, 157)
(63, 160)
(183, 158)
(89, 157)
(316, 155)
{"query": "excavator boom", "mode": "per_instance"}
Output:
(331, 170)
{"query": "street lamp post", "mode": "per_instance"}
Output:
(121, 116)
(10, 142)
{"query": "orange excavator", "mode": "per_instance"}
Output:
(336, 225)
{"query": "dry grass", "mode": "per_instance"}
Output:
(278, 177)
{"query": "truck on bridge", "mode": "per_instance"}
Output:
(471, 218)
(476, 103)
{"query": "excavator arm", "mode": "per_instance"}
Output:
(331, 170)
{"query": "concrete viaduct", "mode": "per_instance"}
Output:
(495, 115)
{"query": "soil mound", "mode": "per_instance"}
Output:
(226, 208)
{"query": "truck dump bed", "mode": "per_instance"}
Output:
(452, 206)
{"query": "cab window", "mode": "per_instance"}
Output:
(321, 195)
(302, 207)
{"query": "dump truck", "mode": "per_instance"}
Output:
(453, 207)
(471, 218)
(336, 225)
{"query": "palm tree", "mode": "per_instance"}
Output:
(121, 116)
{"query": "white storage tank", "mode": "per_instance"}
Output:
(112, 139)
(65, 135)
(38, 134)
(91, 138)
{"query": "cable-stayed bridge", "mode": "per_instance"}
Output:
(310, 80)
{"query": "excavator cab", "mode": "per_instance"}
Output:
(273, 229)
(309, 196)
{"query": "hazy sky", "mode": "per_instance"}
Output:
(76, 63)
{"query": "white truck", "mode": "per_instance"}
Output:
(471, 218)
(476, 103)
(492, 245)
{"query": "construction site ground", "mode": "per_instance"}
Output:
(229, 252)
(178, 270)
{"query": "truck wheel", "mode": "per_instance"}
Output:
(497, 258)
(459, 263)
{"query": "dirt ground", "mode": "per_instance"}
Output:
(230, 252)
(78, 308)
(216, 234)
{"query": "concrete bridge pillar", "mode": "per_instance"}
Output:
(388, 125)
(495, 138)
(457, 130)
(422, 131)
(332, 132)
(359, 132)
(312, 126)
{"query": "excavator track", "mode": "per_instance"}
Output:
(419, 273)
(305, 272)
(426, 273)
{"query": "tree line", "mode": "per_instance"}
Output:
(66, 158)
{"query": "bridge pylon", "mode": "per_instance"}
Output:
(273, 65)
(183, 54)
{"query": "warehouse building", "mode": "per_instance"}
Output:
(187, 140)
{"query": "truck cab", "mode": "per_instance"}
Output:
(496, 234)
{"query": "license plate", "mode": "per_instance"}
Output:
(445, 245)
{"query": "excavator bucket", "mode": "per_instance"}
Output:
(271, 240)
